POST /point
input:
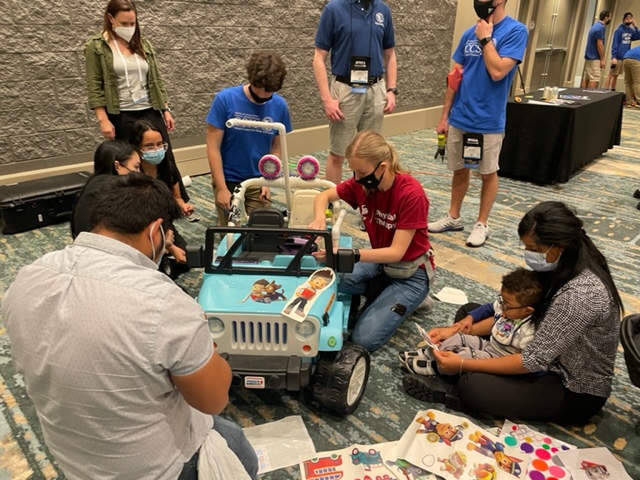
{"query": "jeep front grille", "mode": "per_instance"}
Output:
(252, 334)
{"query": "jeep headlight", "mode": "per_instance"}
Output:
(216, 325)
(305, 329)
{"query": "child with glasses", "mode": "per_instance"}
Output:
(507, 322)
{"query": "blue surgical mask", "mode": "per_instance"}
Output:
(537, 261)
(154, 157)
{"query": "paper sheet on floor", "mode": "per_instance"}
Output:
(592, 464)
(360, 462)
(281, 444)
(455, 448)
(452, 295)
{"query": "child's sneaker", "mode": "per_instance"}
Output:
(478, 235)
(421, 367)
(446, 224)
(420, 354)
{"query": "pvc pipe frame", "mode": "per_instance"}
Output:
(282, 131)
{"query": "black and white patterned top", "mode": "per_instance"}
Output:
(578, 337)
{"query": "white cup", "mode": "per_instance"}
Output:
(186, 181)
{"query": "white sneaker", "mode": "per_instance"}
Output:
(446, 224)
(478, 235)
(427, 305)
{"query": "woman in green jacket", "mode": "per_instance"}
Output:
(123, 81)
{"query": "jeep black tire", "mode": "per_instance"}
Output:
(339, 381)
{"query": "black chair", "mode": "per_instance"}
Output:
(630, 339)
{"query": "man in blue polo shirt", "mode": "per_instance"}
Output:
(594, 54)
(474, 110)
(360, 36)
(626, 33)
(234, 153)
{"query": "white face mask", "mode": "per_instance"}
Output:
(126, 33)
(153, 247)
(537, 261)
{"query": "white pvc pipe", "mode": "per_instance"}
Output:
(282, 131)
(335, 231)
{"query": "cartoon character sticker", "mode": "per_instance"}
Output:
(307, 293)
(594, 471)
(263, 291)
(454, 464)
(483, 471)
(440, 431)
(489, 448)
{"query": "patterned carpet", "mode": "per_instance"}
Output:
(602, 194)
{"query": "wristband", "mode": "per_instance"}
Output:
(356, 255)
(461, 363)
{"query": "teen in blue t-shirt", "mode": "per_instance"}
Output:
(234, 153)
(474, 111)
(594, 54)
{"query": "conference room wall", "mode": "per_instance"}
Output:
(202, 46)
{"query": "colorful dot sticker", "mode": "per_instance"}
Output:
(540, 465)
(557, 472)
(543, 454)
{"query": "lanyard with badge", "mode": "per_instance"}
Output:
(139, 96)
(360, 65)
(472, 149)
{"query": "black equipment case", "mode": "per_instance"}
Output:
(36, 203)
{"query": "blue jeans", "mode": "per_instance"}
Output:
(400, 297)
(238, 444)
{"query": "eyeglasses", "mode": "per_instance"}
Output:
(506, 307)
(155, 146)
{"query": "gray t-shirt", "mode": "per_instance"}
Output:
(96, 330)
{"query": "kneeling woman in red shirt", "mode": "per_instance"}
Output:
(394, 210)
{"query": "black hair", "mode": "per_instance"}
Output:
(604, 14)
(554, 223)
(107, 153)
(166, 170)
(525, 285)
(127, 204)
(627, 14)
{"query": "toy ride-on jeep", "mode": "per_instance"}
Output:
(274, 312)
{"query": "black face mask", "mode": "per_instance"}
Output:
(628, 24)
(256, 98)
(370, 181)
(483, 9)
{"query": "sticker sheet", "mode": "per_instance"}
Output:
(543, 449)
(357, 462)
(593, 464)
(455, 448)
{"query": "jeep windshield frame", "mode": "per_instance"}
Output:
(225, 265)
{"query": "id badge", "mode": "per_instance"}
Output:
(360, 71)
(472, 149)
(139, 96)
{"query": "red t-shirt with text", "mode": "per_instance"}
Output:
(404, 206)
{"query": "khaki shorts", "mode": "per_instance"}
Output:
(251, 202)
(617, 70)
(491, 146)
(362, 111)
(592, 70)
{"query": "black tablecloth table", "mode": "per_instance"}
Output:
(546, 144)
